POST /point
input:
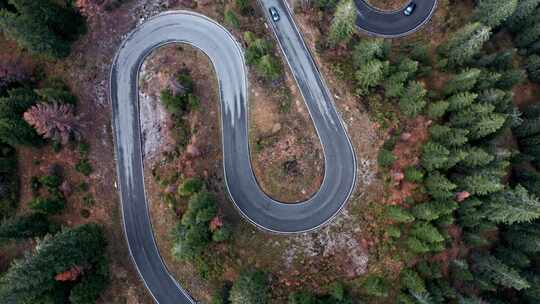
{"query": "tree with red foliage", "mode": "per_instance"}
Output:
(54, 121)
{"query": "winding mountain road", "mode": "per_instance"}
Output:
(391, 24)
(228, 61)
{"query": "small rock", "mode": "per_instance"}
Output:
(276, 128)
(461, 196)
(405, 136)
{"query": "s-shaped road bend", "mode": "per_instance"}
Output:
(228, 60)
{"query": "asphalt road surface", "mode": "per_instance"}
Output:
(228, 60)
(393, 23)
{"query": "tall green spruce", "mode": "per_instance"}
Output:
(465, 43)
(343, 24)
(43, 27)
(32, 279)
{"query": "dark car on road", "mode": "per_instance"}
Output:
(409, 9)
(274, 13)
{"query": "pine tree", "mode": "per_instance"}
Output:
(31, 279)
(495, 97)
(370, 75)
(524, 9)
(461, 100)
(499, 273)
(13, 129)
(477, 157)
(512, 257)
(24, 226)
(411, 280)
(510, 78)
(527, 37)
(524, 237)
(424, 231)
(434, 156)
(499, 61)
(529, 127)
(394, 86)
(343, 24)
(479, 184)
(437, 109)
(494, 12)
(447, 136)
(513, 206)
(487, 80)
(42, 27)
(465, 43)
(399, 214)
(413, 175)
(438, 186)
(464, 81)
(412, 101)
(479, 119)
(533, 67)
(367, 50)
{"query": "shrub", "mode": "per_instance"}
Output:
(386, 158)
(231, 19)
(84, 167)
(251, 287)
(399, 214)
(414, 175)
(50, 205)
(375, 286)
(190, 186)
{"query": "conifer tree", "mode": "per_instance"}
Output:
(24, 226)
(434, 156)
(524, 9)
(370, 75)
(412, 101)
(524, 237)
(513, 206)
(465, 43)
(31, 279)
(426, 232)
(438, 186)
(399, 214)
(477, 157)
(343, 24)
(411, 280)
(367, 50)
(250, 287)
(533, 67)
(437, 109)
(461, 100)
(464, 81)
(447, 136)
(42, 27)
(479, 184)
(489, 267)
(13, 129)
(494, 12)
(527, 37)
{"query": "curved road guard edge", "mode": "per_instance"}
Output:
(392, 24)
